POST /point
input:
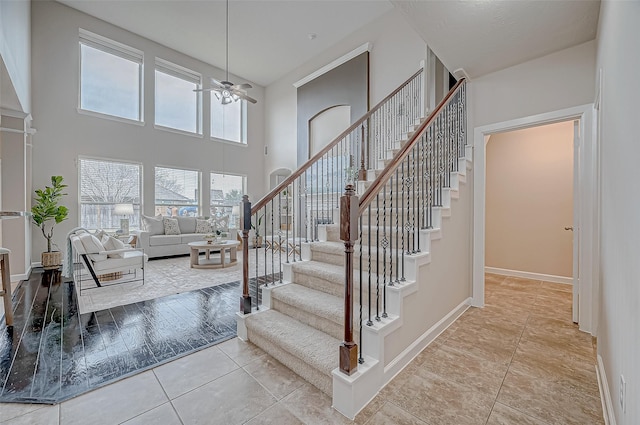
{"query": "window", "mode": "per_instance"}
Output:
(110, 77)
(177, 105)
(228, 122)
(226, 195)
(177, 192)
(103, 184)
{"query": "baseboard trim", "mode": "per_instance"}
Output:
(396, 365)
(605, 394)
(530, 275)
(21, 276)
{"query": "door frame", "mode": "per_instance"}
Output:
(586, 206)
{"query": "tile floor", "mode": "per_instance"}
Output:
(520, 360)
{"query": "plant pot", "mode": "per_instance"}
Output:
(51, 260)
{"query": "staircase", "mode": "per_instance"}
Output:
(301, 321)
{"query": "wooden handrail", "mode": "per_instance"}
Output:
(373, 190)
(290, 179)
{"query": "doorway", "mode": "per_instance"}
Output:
(585, 208)
(529, 203)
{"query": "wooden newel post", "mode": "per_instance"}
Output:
(349, 235)
(245, 300)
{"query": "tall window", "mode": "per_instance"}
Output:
(110, 77)
(226, 195)
(228, 122)
(103, 185)
(177, 192)
(177, 105)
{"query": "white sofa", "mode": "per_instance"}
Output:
(156, 243)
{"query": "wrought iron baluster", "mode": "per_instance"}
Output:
(369, 322)
(377, 258)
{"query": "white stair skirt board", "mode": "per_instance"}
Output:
(529, 275)
(605, 394)
(352, 393)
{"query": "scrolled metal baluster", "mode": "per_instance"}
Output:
(360, 359)
(384, 243)
(378, 258)
(369, 322)
(391, 230)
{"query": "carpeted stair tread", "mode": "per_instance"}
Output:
(330, 272)
(314, 347)
(311, 301)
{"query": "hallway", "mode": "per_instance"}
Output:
(519, 360)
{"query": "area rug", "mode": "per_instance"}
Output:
(163, 277)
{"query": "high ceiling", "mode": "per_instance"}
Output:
(483, 36)
(269, 38)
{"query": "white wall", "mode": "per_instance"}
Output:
(15, 48)
(529, 200)
(395, 56)
(550, 83)
(618, 333)
(64, 134)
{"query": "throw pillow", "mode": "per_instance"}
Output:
(111, 244)
(203, 226)
(153, 225)
(171, 226)
(92, 246)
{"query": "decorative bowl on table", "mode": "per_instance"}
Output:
(210, 238)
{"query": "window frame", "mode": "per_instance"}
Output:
(243, 121)
(139, 204)
(122, 51)
(185, 74)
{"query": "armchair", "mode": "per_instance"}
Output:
(119, 265)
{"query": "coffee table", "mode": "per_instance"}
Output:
(208, 262)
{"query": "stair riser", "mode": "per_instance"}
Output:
(330, 327)
(392, 235)
(338, 259)
(318, 379)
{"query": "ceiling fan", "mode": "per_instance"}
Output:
(226, 91)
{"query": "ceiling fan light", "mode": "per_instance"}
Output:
(226, 100)
(235, 97)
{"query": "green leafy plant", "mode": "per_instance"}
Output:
(257, 227)
(45, 208)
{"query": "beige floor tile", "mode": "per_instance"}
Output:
(392, 414)
(558, 347)
(312, 406)
(47, 415)
(438, 401)
(161, 415)
(241, 352)
(194, 370)
(119, 402)
(505, 415)
(369, 410)
(556, 287)
(278, 379)
(232, 399)
(484, 344)
(275, 415)
(465, 369)
(554, 403)
(12, 410)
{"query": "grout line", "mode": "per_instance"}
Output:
(508, 367)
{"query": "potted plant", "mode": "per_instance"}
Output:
(257, 240)
(46, 213)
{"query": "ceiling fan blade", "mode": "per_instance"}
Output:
(242, 86)
(245, 97)
(217, 83)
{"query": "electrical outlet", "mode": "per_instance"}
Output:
(623, 393)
